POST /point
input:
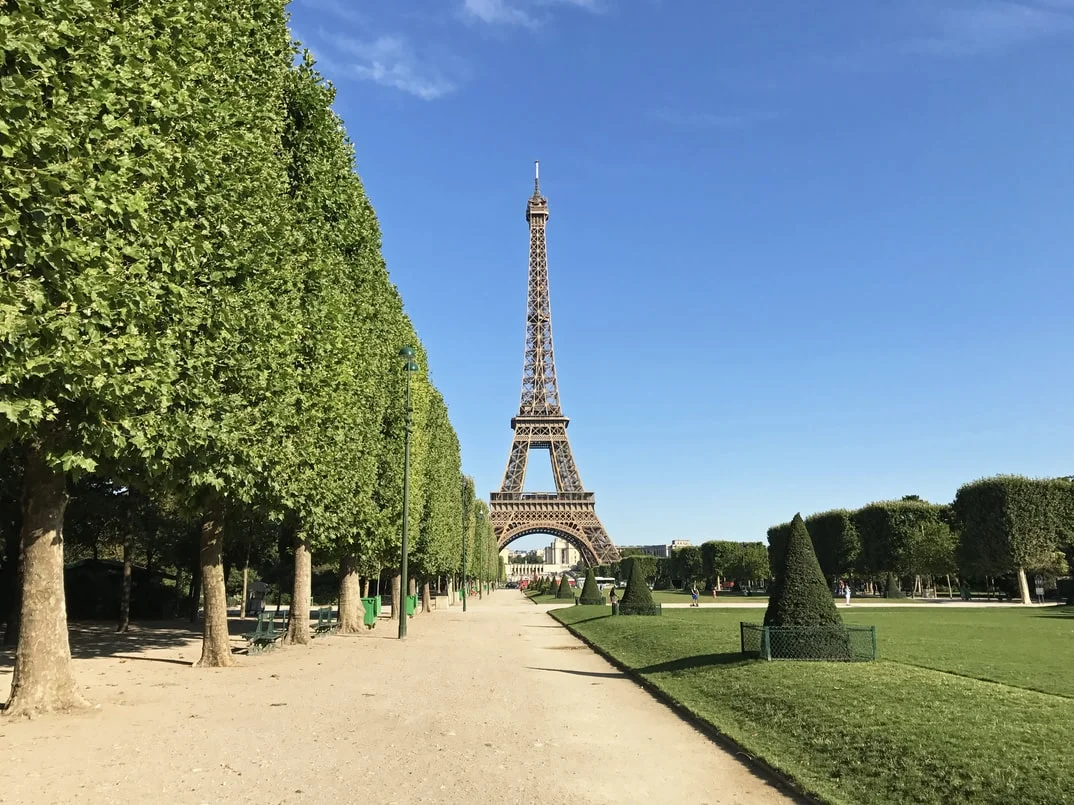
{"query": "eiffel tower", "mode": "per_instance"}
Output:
(570, 512)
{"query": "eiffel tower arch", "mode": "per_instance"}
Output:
(570, 512)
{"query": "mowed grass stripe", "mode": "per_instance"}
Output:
(882, 732)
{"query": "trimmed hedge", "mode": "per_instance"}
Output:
(893, 589)
(640, 609)
(565, 590)
(637, 591)
(800, 596)
(590, 594)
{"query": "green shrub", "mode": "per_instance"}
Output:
(565, 590)
(800, 596)
(639, 609)
(637, 591)
(590, 595)
(892, 588)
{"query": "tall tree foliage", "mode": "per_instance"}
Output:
(1011, 524)
(890, 531)
(835, 541)
(132, 176)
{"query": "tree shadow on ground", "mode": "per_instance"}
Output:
(601, 674)
(585, 620)
(99, 639)
(1057, 614)
(697, 661)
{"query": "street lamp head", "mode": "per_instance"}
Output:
(410, 366)
(407, 354)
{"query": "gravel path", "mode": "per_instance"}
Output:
(497, 705)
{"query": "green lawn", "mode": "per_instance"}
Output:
(673, 597)
(915, 727)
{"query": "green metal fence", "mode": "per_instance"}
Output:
(832, 643)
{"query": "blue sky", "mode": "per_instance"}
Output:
(802, 255)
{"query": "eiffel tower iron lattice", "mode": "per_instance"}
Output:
(570, 512)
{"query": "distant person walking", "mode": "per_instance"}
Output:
(693, 595)
(846, 592)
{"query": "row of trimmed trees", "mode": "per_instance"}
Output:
(710, 563)
(1005, 526)
(195, 311)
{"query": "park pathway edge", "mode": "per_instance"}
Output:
(779, 778)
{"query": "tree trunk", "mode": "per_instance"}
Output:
(1023, 587)
(351, 610)
(412, 586)
(451, 591)
(43, 678)
(125, 593)
(298, 625)
(365, 587)
(245, 587)
(426, 599)
(480, 590)
(950, 592)
(216, 643)
(397, 600)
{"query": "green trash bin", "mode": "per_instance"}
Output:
(370, 607)
(411, 604)
(379, 603)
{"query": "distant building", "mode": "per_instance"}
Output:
(661, 551)
(559, 557)
(649, 550)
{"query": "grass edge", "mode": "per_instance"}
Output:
(780, 779)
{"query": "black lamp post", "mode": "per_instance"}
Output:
(409, 365)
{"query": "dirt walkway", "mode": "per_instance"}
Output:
(499, 705)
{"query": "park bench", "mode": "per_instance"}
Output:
(265, 634)
(326, 624)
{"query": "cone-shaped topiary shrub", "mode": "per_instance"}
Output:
(590, 594)
(637, 600)
(565, 590)
(800, 598)
(892, 590)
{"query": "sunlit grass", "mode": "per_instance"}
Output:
(922, 725)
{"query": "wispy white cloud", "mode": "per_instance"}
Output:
(992, 26)
(392, 62)
(497, 12)
(527, 13)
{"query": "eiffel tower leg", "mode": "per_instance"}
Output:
(566, 471)
(515, 475)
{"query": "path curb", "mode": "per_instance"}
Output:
(778, 778)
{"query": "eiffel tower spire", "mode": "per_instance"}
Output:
(570, 511)
(540, 392)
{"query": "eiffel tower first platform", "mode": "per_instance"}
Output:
(570, 512)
